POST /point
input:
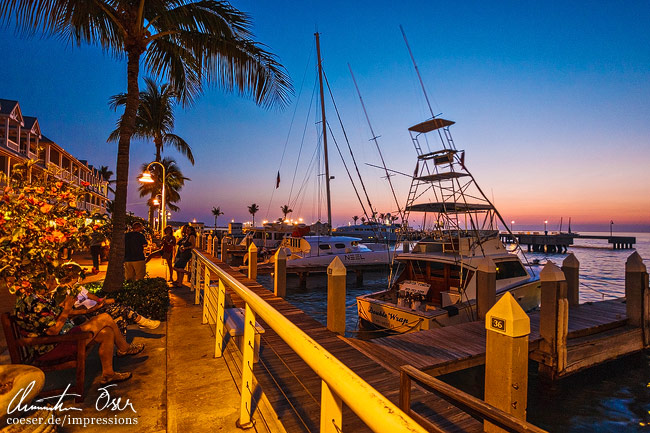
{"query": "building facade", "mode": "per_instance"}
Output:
(21, 140)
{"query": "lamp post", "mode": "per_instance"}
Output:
(512, 225)
(545, 231)
(145, 177)
(611, 223)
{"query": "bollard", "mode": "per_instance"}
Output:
(224, 250)
(280, 274)
(553, 320)
(571, 269)
(252, 262)
(506, 359)
(486, 286)
(637, 299)
(336, 275)
(208, 245)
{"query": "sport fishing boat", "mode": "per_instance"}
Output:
(435, 283)
(370, 231)
(271, 234)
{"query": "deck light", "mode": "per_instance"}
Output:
(145, 177)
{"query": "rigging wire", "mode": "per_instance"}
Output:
(293, 117)
(374, 138)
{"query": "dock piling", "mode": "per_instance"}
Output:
(359, 277)
(506, 359)
(486, 286)
(280, 274)
(224, 250)
(252, 262)
(571, 269)
(554, 321)
(336, 276)
(637, 295)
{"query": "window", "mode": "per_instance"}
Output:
(339, 245)
(324, 247)
(510, 269)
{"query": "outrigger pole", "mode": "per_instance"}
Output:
(322, 107)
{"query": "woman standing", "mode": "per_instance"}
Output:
(184, 253)
(167, 250)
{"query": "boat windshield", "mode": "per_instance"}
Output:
(510, 269)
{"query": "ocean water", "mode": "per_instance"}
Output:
(614, 397)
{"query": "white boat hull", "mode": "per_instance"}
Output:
(395, 318)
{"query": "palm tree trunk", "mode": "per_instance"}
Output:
(115, 271)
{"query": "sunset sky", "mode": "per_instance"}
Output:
(551, 102)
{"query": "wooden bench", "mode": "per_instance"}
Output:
(17, 345)
(234, 318)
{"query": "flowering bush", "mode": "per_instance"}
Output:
(38, 217)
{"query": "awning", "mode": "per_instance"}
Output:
(431, 125)
(448, 207)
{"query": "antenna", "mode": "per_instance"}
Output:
(417, 71)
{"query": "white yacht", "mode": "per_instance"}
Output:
(434, 284)
(370, 231)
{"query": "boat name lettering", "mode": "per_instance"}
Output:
(396, 318)
(354, 257)
(379, 313)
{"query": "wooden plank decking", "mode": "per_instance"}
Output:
(293, 389)
(438, 351)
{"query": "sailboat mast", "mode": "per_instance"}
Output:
(322, 107)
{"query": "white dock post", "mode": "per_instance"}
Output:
(486, 286)
(553, 320)
(224, 250)
(637, 295)
(506, 359)
(336, 276)
(252, 262)
(571, 269)
(280, 273)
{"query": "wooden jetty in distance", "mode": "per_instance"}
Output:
(559, 242)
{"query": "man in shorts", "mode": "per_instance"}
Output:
(134, 260)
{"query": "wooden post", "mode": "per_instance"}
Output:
(571, 269)
(252, 262)
(224, 250)
(406, 247)
(280, 273)
(303, 279)
(486, 286)
(245, 420)
(359, 278)
(554, 321)
(637, 295)
(220, 328)
(336, 275)
(506, 359)
(331, 410)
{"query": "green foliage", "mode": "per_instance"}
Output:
(38, 217)
(148, 297)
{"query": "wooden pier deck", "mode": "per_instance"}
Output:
(559, 242)
(293, 389)
(597, 332)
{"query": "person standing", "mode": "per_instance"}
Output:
(167, 250)
(184, 254)
(134, 260)
(97, 239)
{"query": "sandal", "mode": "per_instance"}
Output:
(133, 349)
(115, 378)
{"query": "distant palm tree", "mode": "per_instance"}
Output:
(216, 211)
(285, 211)
(155, 119)
(355, 219)
(188, 42)
(174, 182)
(106, 174)
(363, 220)
(252, 209)
(382, 217)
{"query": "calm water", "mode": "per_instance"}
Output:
(611, 398)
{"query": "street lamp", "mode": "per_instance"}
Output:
(512, 225)
(545, 231)
(145, 177)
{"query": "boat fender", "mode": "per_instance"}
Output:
(453, 311)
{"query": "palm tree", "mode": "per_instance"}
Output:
(106, 174)
(285, 211)
(355, 219)
(174, 182)
(216, 211)
(187, 42)
(155, 118)
(252, 209)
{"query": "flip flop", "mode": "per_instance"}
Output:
(116, 378)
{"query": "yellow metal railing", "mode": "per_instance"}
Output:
(339, 383)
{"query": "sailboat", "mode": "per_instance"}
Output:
(436, 280)
(317, 252)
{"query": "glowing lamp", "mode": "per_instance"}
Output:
(145, 177)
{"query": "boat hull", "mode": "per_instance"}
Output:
(399, 319)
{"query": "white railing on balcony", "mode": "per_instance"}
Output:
(13, 145)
